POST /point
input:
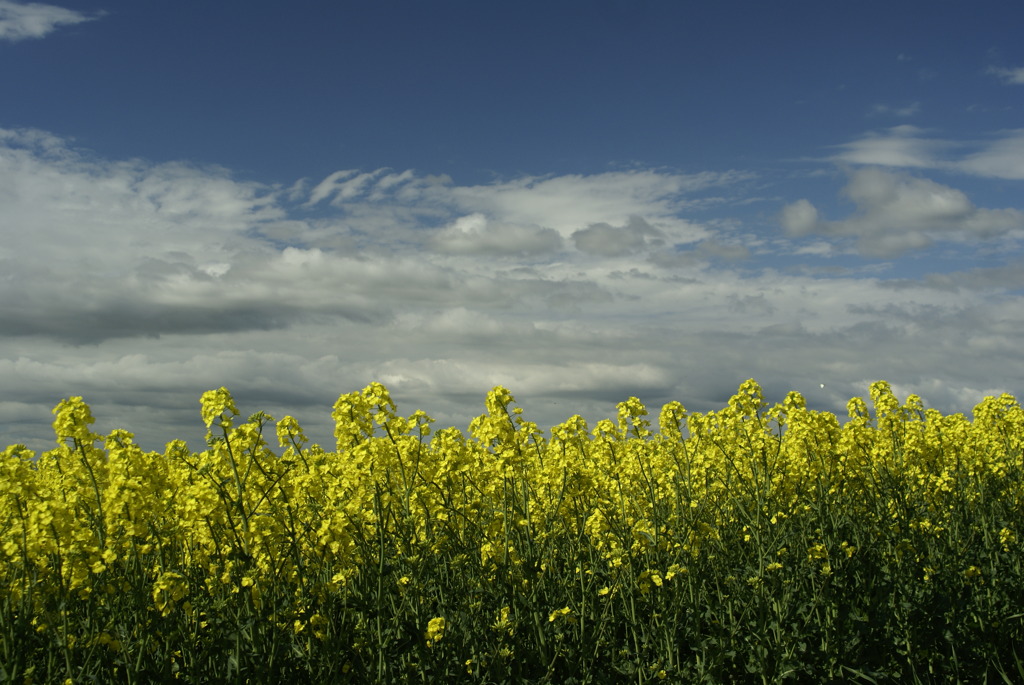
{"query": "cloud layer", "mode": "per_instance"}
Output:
(141, 285)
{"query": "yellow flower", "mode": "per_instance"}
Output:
(435, 629)
(502, 623)
(216, 403)
(817, 552)
(169, 589)
(319, 625)
(559, 613)
(674, 570)
(1006, 538)
(648, 579)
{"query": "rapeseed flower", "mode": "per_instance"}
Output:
(435, 630)
(618, 510)
(559, 613)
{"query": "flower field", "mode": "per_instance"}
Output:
(755, 543)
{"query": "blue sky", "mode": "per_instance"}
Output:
(582, 201)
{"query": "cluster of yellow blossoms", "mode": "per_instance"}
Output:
(244, 518)
(77, 509)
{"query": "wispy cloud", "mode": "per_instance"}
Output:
(901, 146)
(1001, 158)
(895, 110)
(20, 21)
(907, 146)
(1011, 76)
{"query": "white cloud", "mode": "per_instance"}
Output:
(103, 250)
(898, 146)
(140, 286)
(800, 218)
(570, 203)
(905, 146)
(896, 212)
(1003, 158)
(347, 185)
(475, 235)
(1012, 76)
(19, 21)
(820, 248)
(612, 241)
